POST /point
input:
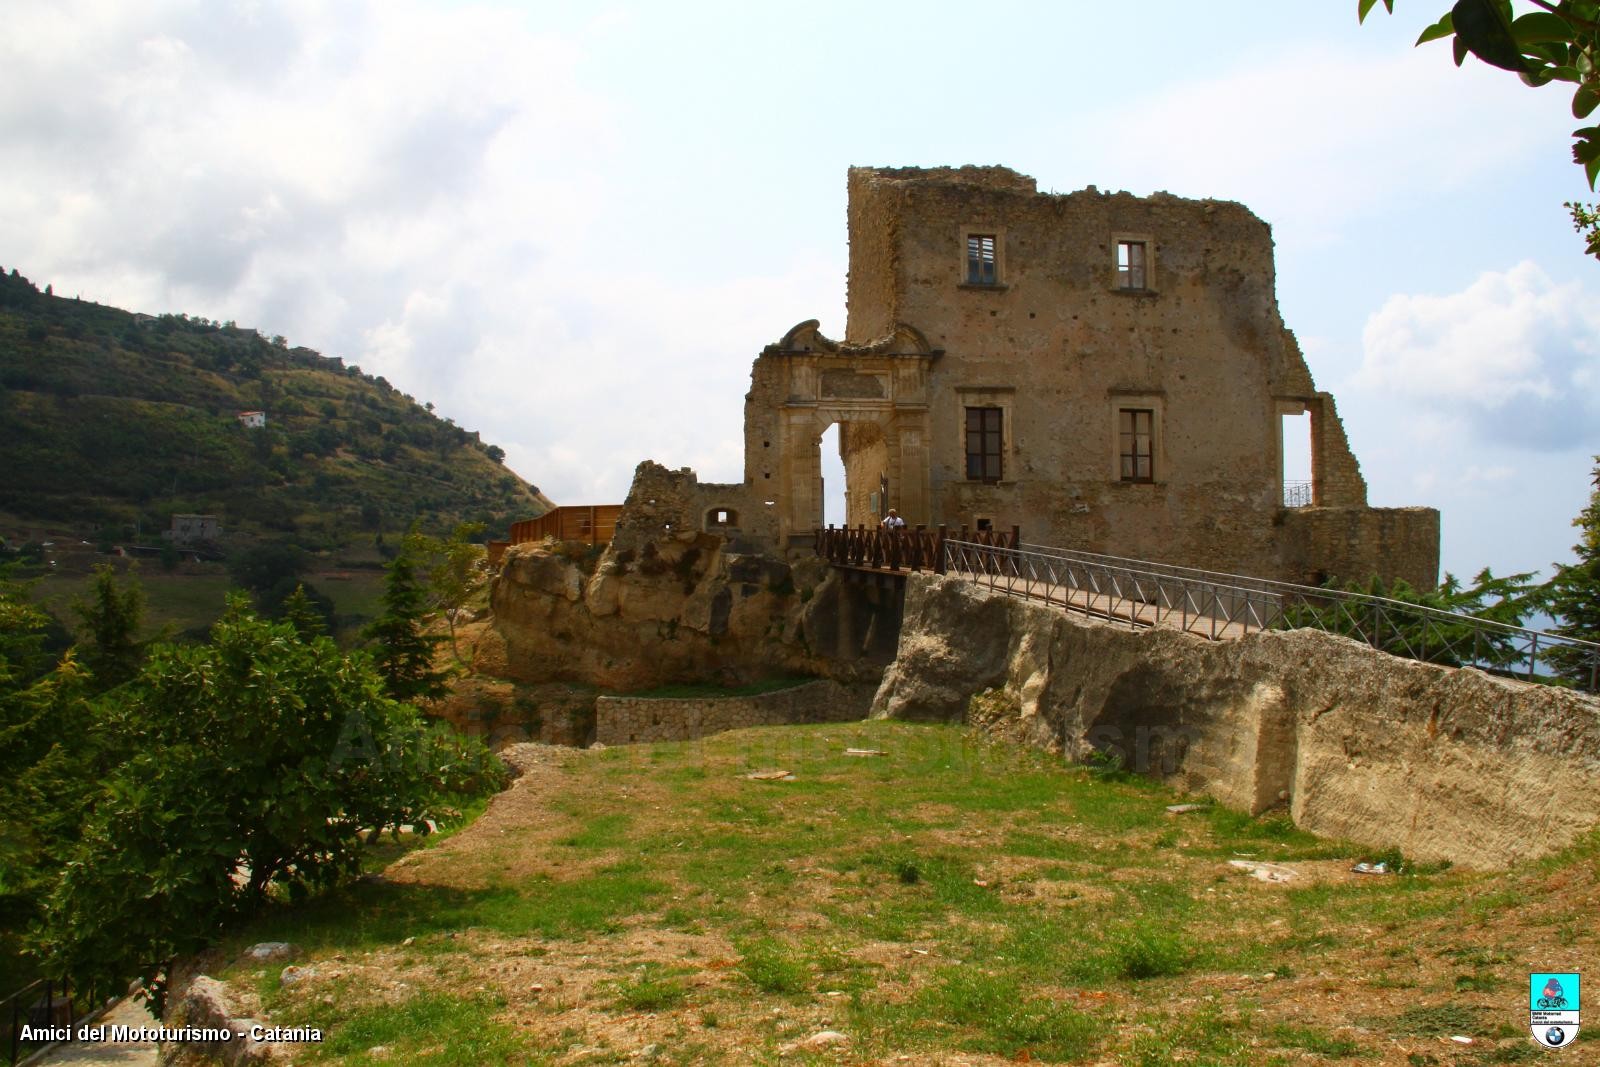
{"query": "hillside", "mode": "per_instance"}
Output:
(111, 422)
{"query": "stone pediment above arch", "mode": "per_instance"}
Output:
(807, 339)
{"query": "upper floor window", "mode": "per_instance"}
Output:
(1136, 444)
(985, 444)
(982, 266)
(1132, 268)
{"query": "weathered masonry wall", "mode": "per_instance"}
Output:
(1444, 764)
(626, 720)
(1059, 344)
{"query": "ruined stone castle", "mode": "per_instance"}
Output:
(1106, 371)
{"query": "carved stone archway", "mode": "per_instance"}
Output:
(806, 383)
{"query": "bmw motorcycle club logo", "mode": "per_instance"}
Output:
(1553, 1002)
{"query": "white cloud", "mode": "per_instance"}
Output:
(1512, 359)
(1313, 138)
(434, 193)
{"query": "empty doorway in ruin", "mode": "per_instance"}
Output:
(1295, 475)
(856, 488)
(869, 402)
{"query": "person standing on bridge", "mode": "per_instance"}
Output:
(892, 522)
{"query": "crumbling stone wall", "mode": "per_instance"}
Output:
(621, 720)
(1060, 347)
(1445, 764)
(663, 504)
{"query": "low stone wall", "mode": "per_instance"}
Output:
(1443, 764)
(627, 720)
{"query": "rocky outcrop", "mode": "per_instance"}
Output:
(1445, 764)
(208, 1004)
(682, 607)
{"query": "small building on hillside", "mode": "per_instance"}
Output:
(189, 529)
(252, 420)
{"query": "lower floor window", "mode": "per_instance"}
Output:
(984, 435)
(1137, 440)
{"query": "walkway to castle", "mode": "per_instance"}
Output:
(1142, 594)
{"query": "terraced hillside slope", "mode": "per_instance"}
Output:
(111, 422)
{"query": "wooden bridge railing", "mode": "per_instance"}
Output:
(908, 548)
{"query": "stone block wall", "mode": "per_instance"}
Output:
(629, 720)
(1442, 763)
(1352, 544)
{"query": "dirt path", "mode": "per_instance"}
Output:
(112, 1053)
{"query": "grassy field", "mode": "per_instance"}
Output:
(194, 596)
(946, 901)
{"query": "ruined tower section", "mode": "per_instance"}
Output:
(1111, 376)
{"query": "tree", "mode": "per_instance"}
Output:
(1559, 42)
(262, 567)
(1433, 638)
(1574, 594)
(308, 617)
(250, 767)
(454, 569)
(47, 768)
(108, 627)
(402, 649)
(496, 453)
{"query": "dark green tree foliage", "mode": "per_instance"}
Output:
(1425, 636)
(264, 566)
(1558, 43)
(47, 767)
(402, 649)
(308, 617)
(108, 627)
(1574, 593)
(252, 765)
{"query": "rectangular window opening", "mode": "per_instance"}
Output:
(981, 268)
(1136, 444)
(985, 462)
(1131, 265)
(1295, 432)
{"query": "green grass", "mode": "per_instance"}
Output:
(434, 1029)
(775, 967)
(653, 988)
(1314, 1040)
(947, 896)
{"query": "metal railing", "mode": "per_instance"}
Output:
(912, 549)
(1297, 494)
(37, 1005)
(1218, 606)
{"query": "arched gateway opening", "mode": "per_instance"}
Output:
(877, 395)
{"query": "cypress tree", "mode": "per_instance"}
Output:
(303, 614)
(402, 650)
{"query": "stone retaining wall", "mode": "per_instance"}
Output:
(1442, 763)
(627, 720)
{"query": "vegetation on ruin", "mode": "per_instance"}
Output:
(1560, 42)
(110, 422)
(950, 897)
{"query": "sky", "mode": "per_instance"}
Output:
(572, 227)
